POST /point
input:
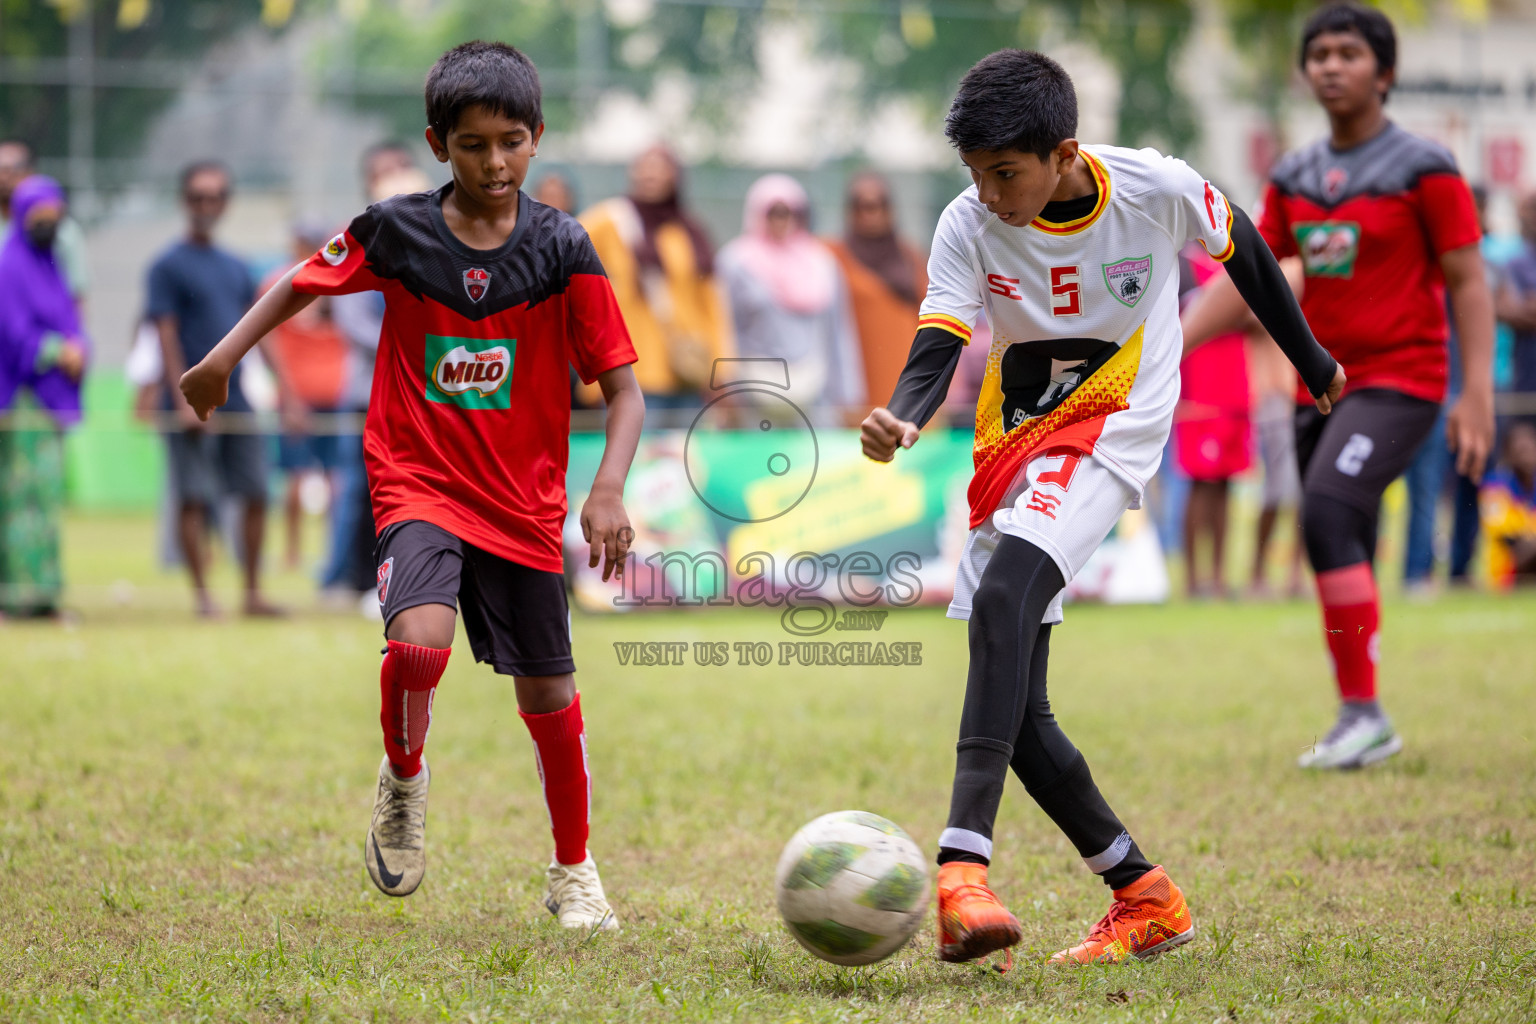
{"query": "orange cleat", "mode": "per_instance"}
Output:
(1148, 917)
(972, 921)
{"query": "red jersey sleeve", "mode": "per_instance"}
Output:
(597, 338)
(1450, 215)
(343, 265)
(1273, 224)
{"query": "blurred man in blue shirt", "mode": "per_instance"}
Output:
(197, 292)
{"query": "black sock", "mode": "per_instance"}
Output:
(946, 856)
(981, 769)
(1074, 803)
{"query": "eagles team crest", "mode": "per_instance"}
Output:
(1129, 279)
(476, 282)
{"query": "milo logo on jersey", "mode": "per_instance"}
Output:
(471, 373)
(1328, 247)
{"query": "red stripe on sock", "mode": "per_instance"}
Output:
(560, 747)
(1351, 624)
(407, 681)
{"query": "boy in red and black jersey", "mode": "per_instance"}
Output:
(1382, 224)
(489, 297)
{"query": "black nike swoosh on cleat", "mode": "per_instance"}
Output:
(389, 880)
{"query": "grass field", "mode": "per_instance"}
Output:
(183, 809)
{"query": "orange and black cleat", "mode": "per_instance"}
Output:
(972, 921)
(1148, 917)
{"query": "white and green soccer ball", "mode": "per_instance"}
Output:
(853, 887)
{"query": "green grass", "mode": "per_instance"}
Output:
(182, 807)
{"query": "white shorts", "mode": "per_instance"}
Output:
(1063, 503)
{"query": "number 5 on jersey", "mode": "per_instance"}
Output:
(1066, 291)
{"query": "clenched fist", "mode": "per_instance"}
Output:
(881, 432)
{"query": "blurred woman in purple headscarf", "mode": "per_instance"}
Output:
(42, 358)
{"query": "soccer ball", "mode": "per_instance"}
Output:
(852, 887)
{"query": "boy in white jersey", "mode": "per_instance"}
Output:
(1072, 251)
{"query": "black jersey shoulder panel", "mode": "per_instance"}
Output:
(1389, 164)
(411, 244)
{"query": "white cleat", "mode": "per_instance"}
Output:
(1356, 740)
(574, 894)
(396, 850)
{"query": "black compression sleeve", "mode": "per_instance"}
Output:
(924, 381)
(1262, 285)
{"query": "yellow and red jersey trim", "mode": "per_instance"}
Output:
(1226, 253)
(1072, 227)
(945, 322)
(1076, 423)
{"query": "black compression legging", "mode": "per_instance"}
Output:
(1007, 720)
(1347, 459)
(1336, 534)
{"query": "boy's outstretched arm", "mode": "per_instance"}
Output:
(604, 523)
(206, 385)
(920, 390)
(1257, 276)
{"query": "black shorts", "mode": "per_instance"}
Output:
(516, 617)
(1352, 454)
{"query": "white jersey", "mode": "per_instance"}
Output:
(1085, 317)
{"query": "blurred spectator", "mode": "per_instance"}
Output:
(662, 266)
(144, 370)
(1432, 470)
(1509, 510)
(197, 292)
(1211, 440)
(388, 170)
(1272, 401)
(311, 357)
(555, 189)
(789, 301)
(42, 358)
(1515, 302)
(383, 160)
(887, 279)
(16, 164)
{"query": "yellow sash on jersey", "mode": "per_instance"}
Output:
(998, 455)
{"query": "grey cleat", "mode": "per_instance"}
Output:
(574, 894)
(396, 850)
(1362, 736)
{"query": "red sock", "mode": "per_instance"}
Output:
(1351, 617)
(560, 748)
(407, 681)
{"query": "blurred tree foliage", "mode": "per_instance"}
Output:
(903, 48)
(169, 30)
(920, 50)
(581, 47)
(1267, 33)
(1143, 39)
(915, 49)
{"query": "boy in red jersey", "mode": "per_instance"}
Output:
(1383, 224)
(489, 297)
